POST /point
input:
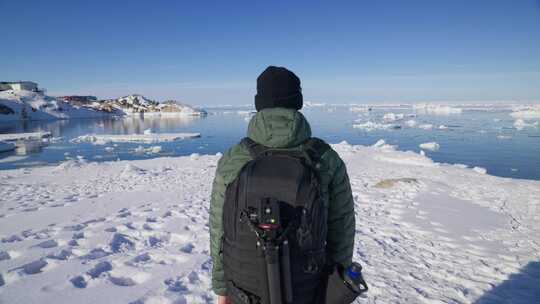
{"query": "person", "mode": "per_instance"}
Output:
(278, 124)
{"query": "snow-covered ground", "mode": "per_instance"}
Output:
(136, 231)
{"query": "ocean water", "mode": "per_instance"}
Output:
(485, 138)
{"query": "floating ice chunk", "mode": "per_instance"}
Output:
(109, 149)
(359, 109)
(520, 124)
(379, 143)
(443, 127)
(144, 138)
(527, 113)
(480, 170)
(410, 123)
(370, 126)
(432, 146)
(437, 109)
(24, 136)
(390, 117)
(150, 150)
(148, 131)
(425, 126)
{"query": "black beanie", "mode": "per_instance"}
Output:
(278, 87)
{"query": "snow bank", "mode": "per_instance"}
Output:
(432, 146)
(137, 231)
(145, 138)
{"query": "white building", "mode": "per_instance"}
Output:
(19, 86)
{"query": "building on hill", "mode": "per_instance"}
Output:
(19, 86)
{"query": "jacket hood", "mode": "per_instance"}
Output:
(279, 128)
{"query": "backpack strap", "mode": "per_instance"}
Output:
(255, 149)
(315, 148)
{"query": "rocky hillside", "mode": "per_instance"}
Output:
(134, 104)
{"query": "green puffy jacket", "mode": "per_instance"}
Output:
(285, 128)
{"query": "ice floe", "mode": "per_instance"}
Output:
(431, 146)
(144, 138)
(436, 109)
(24, 136)
(371, 126)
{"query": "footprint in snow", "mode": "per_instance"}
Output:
(122, 281)
(79, 282)
(95, 254)
(175, 285)
(188, 248)
(47, 244)
(110, 229)
(4, 255)
(63, 255)
(11, 239)
(121, 242)
(99, 268)
(32, 267)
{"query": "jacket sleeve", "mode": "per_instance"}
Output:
(227, 170)
(341, 216)
(216, 230)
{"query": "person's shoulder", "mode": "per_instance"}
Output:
(233, 158)
(329, 157)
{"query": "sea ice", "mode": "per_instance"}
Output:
(144, 138)
(370, 126)
(432, 146)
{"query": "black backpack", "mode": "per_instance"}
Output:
(275, 226)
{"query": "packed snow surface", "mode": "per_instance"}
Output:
(136, 231)
(144, 138)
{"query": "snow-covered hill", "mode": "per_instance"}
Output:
(136, 231)
(135, 104)
(26, 105)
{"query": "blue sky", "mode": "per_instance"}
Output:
(210, 52)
